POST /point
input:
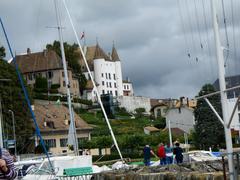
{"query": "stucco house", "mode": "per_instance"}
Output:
(49, 65)
(182, 118)
(53, 121)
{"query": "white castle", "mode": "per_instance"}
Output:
(107, 73)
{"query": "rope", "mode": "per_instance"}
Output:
(207, 37)
(184, 30)
(94, 85)
(234, 35)
(191, 28)
(198, 25)
(27, 97)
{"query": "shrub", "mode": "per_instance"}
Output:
(140, 111)
(55, 86)
(41, 84)
(38, 95)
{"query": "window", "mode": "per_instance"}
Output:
(239, 117)
(103, 83)
(106, 75)
(63, 74)
(50, 124)
(107, 84)
(107, 92)
(49, 74)
(116, 93)
(103, 92)
(159, 114)
(64, 84)
(114, 76)
(109, 75)
(34, 76)
(63, 142)
(110, 85)
(30, 76)
(127, 86)
(111, 92)
(39, 75)
(115, 85)
(124, 86)
(102, 75)
(50, 142)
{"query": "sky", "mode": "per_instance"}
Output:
(166, 48)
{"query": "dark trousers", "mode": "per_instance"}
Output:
(163, 161)
(179, 159)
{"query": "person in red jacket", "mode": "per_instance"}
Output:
(162, 154)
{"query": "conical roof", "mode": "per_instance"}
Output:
(99, 53)
(115, 56)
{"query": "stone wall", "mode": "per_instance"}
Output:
(133, 102)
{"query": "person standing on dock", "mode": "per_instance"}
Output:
(169, 154)
(147, 152)
(162, 154)
(178, 153)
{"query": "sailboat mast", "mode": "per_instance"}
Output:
(222, 84)
(59, 27)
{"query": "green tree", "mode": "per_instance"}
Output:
(209, 132)
(72, 56)
(2, 53)
(140, 111)
(12, 98)
(160, 123)
(41, 84)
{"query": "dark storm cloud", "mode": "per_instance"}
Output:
(148, 35)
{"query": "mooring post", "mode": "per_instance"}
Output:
(224, 170)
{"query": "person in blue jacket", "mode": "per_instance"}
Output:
(178, 153)
(147, 152)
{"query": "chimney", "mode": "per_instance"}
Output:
(28, 51)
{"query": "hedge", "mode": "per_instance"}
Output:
(63, 98)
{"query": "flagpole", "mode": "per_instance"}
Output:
(84, 39)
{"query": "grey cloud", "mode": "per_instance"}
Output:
(147, 34)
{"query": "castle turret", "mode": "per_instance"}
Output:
(115, 56)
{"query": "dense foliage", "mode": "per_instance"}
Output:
(41, 84)
(209, 132)
(72, 57)
(140, 112)
(12, 98)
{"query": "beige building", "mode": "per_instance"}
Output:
(53, 121)
(49, 65)
(160, 107)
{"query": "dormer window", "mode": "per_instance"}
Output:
(50, 124)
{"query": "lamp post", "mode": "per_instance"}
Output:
(14, 134)
(1, 118)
